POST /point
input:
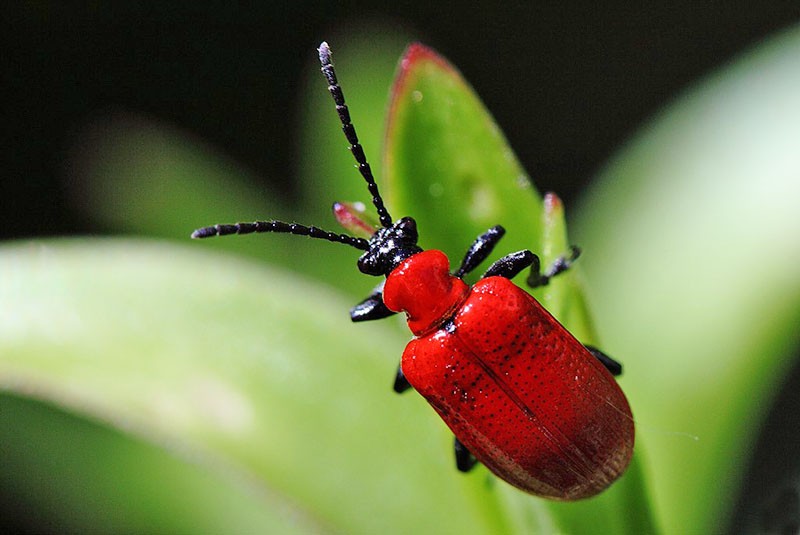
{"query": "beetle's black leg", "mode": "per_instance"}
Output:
(401, 384)
(510, 265)
(464, 459)
(611, 365)
(561, 264)
(371, 308)
(479, 250)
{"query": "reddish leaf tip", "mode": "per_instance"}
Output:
(553, 207)
(414, 56)
(417, 53)
(552, 201)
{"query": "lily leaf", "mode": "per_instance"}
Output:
(253, 376)
(695, 235)
(448, 165)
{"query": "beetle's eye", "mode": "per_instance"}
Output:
(366, 264)
(408, 227)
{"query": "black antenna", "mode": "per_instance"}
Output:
(358, 153)
(280, 226)
(350, 133)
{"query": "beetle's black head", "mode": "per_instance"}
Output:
(389, 246)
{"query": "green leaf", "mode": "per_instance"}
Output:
(692, 240)
(252, 376)
(136, 175)
(564, 296)
(70, 473)
(448, 165)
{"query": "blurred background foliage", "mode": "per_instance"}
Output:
(581, 80)
(149, 119)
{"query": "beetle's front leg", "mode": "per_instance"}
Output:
(371, 308)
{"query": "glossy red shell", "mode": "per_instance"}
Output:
(424, 289)
(517, 389)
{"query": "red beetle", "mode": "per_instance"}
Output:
(521, 394)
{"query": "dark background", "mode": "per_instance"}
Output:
(584, 78)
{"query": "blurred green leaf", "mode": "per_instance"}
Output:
(135, 174)
(692, 238)
(256, 376)
(72, 474)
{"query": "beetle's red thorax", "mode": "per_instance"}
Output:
(423, 288)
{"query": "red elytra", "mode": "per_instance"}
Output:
(522, 395)
(518, 390)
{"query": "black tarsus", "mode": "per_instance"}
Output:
(401, 384)
(350, 133)
(561, 264)
(465, 461)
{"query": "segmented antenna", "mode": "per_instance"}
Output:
(350, 133)
(358, 153)
(281, 227)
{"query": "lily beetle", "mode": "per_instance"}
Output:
(521, 395)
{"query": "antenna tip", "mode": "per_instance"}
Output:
(205, 232)
(324, 52)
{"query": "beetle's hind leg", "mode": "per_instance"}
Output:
(465, 461)
(372, 308)
(561, 264)
(401, 384)
(611, 365)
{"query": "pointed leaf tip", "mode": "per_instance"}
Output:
(552, 202)
(419, 52)
(448, 164)
(553, 208)
(413, 57)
